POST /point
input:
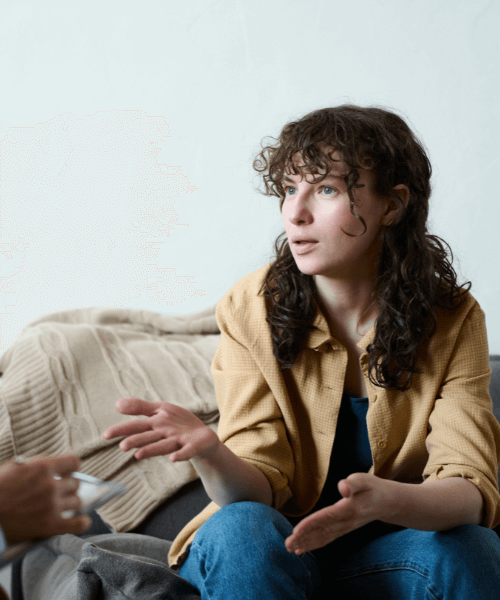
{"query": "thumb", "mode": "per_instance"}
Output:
(185, 451)
(76, 525)
(182, 453)
(358, 483)
(345, 488)
(85, 523)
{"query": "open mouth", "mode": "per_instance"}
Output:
(303, 246)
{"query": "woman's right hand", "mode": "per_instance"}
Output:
(169, 429)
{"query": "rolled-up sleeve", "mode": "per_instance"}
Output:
(464, 434)
(251, 423)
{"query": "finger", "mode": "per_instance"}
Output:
(345, 488)
(63, 464)
(351, 486)
(136, 406)
(127, 428)
(67, 486)
(161, 448)
(290, 543)
(73, 525)
(39, 456)
(293, 544)
(84, 523)
(298, 535)
(183, 453)
(69, 502)
(66, 465)
(142, 439)
(40, 466)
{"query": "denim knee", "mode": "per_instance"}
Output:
(242, 546)
(249, 521)
(464, 538)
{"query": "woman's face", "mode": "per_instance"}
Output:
(319, 211)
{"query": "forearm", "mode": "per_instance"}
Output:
(434, 506)
(227, 478)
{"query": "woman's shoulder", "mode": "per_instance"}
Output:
(243, 310)
(467, 308)
(246, 292)
(461, 327)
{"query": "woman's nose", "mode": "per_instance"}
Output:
(300, 208)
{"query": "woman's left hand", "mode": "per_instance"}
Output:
(366, 498)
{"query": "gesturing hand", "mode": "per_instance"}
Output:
(169, 429)
(365, 499)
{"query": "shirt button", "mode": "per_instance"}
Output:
(382, 444)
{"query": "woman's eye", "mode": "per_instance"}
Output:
(333, 190)
(324, 190)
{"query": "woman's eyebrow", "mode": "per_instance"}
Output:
(329, 176)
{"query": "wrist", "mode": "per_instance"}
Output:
(212, 447)
(227, 478)
(401, 498)
(393, 501)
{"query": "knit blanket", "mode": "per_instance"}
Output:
(64, 373)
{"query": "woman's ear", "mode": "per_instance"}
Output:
(390, 215)
(403, 192)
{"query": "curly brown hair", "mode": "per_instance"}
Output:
(415, 275)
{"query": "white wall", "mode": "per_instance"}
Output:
(128, 130)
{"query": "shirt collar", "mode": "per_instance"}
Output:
(320, 338)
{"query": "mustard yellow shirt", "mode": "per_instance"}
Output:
(284, 423)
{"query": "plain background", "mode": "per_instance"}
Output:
(128, 131)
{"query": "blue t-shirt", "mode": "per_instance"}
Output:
(3, 541)
(351, 451)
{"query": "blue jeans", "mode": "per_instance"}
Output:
(240, 552)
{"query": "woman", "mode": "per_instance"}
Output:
(357, 446)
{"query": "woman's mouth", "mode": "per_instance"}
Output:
(303, 246)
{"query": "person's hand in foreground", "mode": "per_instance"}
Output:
(169, 429)
(31, 500)
(365, 498)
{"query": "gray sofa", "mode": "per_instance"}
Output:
(171, 516)
(495, 392)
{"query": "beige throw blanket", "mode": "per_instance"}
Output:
(64, 373)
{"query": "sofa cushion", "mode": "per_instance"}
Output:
(495, 383)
